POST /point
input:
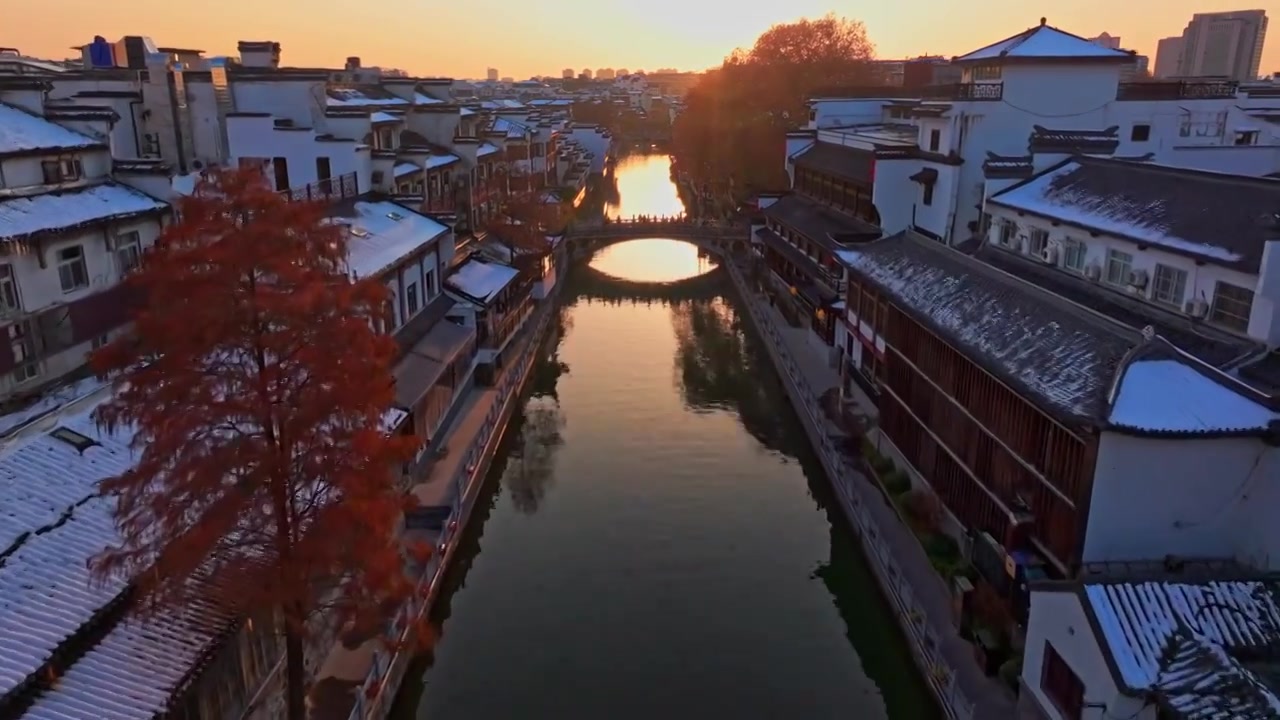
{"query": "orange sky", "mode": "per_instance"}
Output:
(461, 39)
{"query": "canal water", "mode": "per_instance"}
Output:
(655, 539)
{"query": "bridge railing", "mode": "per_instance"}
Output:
(675, 224)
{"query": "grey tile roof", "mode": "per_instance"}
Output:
(839, 161)
(1060, 356)
(1219, 218)
(1101, 142)
(820, 223)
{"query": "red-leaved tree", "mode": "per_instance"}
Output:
(256, 387)
(526, 222)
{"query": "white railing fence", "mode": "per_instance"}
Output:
(923, 639)
(376, 694)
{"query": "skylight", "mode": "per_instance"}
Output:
(359, 231)
(76, 440)
(395, 216)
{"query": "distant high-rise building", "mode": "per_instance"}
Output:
(586, 73)
(1224, 44)
(567, 73)
(1168, 55)
(605, 74)
(623, 71)
(491, 74)
(1106, 40)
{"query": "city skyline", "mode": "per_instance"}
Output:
(706, 33)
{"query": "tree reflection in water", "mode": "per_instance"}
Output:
(538, 435)
(719, 369)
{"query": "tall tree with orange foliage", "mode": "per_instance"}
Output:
(736, 117)
(256, 386)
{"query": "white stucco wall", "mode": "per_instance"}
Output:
(257, 137)
(1210, 498)
(1058, 618)
(1202, 279)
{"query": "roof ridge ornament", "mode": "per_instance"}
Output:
(1043, 21)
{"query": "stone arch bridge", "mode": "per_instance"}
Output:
(720, 239)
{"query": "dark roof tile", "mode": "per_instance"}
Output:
(822, 224)
(839, 161)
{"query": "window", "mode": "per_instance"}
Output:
(1140, 133)
(1118, 266)
(61, 170)
(1037, 241)
(1007, 231)
(935, 140)
(928, 193)
(100, 342)
(1170, 285)
(73, 274)
(324, 172)
(411, 298)
(1231, 306)
(128, 252)
(1247, 137)
(429, 284)
(26, 372)
(8, 290)
(1073, 254)
(280, 168)
(1061, 685)
(986, 72)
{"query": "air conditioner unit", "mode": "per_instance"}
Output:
(1197, 308)
(1050, 255)
(1093, 272)
(1138, 279)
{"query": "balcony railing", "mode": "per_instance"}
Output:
(335, 188)
(1177, 90)
(951, 91)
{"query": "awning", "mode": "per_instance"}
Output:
(928, 176)
(422, 366)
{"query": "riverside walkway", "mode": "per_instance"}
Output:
(918, 594)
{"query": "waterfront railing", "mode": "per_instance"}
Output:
(377, 692)
(925, 644)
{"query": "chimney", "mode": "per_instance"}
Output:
(353, 63)
(259, 54)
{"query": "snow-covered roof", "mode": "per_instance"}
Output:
(420, 99)
(1182, 642)
(52, 522)
(26, 217)
(21, 132)
(1044, 42)
(378, 118)
(486, 149)
(512, 128)
(481, 281)
(361, 96)
(1209, 216)
(441, 160)
(133, 671)
(383, 233)
(1171, 393)
(1055, 354)
(466, 111)
(402, 169)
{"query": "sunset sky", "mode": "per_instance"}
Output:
(461, 39)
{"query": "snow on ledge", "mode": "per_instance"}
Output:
(1171, 397)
